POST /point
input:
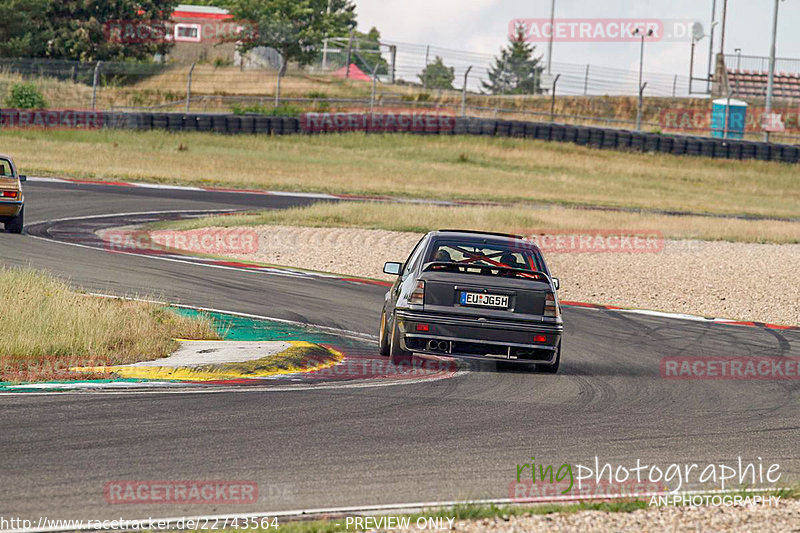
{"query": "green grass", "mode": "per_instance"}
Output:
(48, 327)
(514, 219)
(465, 512)
(481, 169)
(503, 512)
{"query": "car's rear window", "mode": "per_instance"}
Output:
(5, 169)
(483, 254)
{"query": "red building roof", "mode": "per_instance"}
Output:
(184, 11)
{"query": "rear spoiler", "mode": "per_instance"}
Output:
(445, 266)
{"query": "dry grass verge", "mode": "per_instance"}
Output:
(47, 327)
(738, 280)
(482, 169)
(421, 218)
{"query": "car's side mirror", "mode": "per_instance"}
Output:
(23, 178)
(556, 283)
(392, 268)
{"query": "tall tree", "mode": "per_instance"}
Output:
(80, 30)
(22, 29)
(437, 75)
(516, 70)
(368, 52)
(295, 28)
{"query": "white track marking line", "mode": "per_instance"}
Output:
(321, 196)
(48, 180)
(663, 314)
(257, 388)
(400, 508)
(249, 388)
(166, 187)
(287, 271)
(277, 272)
(256, 269)
(132, 214)
(328, 329)
(162, 186)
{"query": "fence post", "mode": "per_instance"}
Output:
(674, 85)
(189, 87)
(586, 82)
(393, 54)
(349, 56)
(94, 84)
(639, 107)
(464, 93)
(284, 64)
(425, 78)
(553, 99)
(374, 83)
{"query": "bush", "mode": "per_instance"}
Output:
(25, 96)
(283, 110)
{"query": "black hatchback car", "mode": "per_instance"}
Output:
(473, 295)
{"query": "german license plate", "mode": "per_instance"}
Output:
(484, 300)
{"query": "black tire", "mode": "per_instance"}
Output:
(552, 368)
(160, 121)
(16, 224)
(397, 355)
(383, 340)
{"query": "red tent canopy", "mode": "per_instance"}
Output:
(355, 73)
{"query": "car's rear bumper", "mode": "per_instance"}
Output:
(473, 338)
(10, 208)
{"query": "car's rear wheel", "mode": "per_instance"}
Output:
(16, 224)
(396, 354)
(553, 367)
(383, 337)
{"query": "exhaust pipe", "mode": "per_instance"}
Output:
(438, 346)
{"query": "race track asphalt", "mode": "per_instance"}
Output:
(442, 440)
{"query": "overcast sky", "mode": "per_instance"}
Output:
(482, 26)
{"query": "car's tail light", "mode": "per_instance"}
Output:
(9, 194)
(418, 296)
(423, 327)
(540, 338)
(550, 306)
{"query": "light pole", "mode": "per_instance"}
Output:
(738, 69)
(325, 44)
(698, 35)
(722, 33)
(640, 87)
(550, 41)
(711, 44)
(771, 79)
(464, 93)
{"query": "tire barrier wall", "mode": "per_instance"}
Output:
(423, 124)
